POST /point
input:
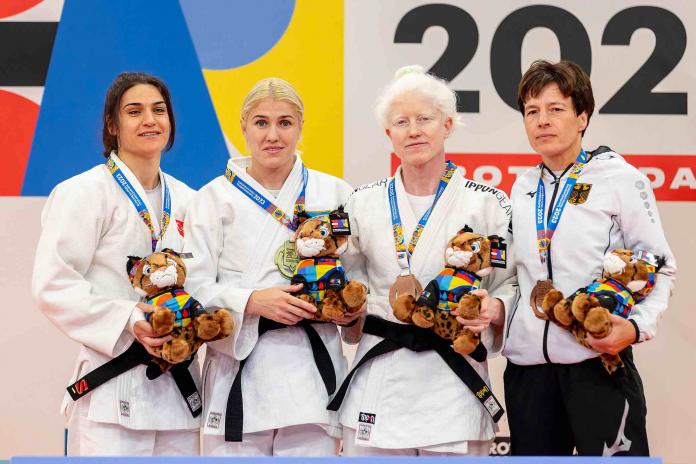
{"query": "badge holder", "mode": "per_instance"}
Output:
(498, 251)
(340, 222)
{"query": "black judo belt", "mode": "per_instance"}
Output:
(417, 339)
(234, 415)
(135, 355)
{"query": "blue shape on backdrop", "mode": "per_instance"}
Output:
(95, 41)
(231, 33)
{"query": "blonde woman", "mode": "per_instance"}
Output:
(266, 387)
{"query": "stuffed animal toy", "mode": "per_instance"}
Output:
(627, 278)
(467, 260)
(159, 278)
(319, 242)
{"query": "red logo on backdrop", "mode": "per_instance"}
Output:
(180, 227)
(671, 176)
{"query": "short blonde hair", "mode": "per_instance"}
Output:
(414, 79)
(276, 89)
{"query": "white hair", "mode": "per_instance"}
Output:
(414, 79)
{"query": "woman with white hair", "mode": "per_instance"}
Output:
(266, 387)
(404, 396)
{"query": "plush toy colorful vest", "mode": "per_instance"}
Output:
(179, 302)
(613, 296)
(318, 275)
(452, 284)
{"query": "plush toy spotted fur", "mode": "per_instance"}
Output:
(626, 279)
(324, 281)
(467, 260)
(160, 279)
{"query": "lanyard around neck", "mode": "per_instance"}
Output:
(291, 222)
(403, 254)
(545, 232)
(139, 204)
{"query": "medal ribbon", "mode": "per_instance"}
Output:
(545, 233)
(139, 204)
(403, 254)
(277, 213)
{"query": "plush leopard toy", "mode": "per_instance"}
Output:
(467, 261)
(627, 278)
(159, 278)
(324, 280)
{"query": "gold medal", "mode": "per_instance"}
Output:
(286, 259)
(536, 298)
(405, 285)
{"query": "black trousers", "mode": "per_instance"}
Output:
(554, 409)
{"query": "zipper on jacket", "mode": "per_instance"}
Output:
(545, 346)
(514, 311)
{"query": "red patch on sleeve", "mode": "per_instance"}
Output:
(180, 227)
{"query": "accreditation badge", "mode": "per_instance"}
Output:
(286, 259)
(340, 223)
(498, 251)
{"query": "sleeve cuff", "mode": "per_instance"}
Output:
(243, 340)
(127, 336)
(136, 316)
(494, 337)
(635, 326)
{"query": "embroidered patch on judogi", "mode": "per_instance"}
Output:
(363, 434)
(194, 401)
(214, 419)
(124, 407)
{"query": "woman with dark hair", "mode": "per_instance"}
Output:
(569, 212)
(92, 223)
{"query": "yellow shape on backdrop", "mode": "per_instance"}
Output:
(310, 57)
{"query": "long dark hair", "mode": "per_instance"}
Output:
(119, 86)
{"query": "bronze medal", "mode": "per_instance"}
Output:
(286, 259)
(405, 285)
(536, 298)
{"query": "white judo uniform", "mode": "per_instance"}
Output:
(417, 401)
(234, 242)
(80, 282)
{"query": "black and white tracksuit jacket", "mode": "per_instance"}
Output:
(612, 206)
